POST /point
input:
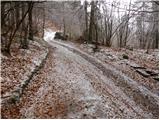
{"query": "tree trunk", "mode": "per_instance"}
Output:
(64, 27)
(24, 42)
(86, 20)
(30, 5)
(96, 43)
(43, 22)
(2, 15)
(17, 14)
(91, 23)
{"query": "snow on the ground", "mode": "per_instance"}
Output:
(97, 76)
(48, 35)
(16, 69)
(71, 87)
(138, 57)
(114, 57)
(113, 54)
(134, 84)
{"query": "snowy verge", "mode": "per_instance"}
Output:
(18, 70)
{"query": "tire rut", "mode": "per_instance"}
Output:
(141, 95)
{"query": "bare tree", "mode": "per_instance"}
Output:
(86, 19)
(91, 22)
(30, 5)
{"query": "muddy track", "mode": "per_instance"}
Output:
(73, 84)
(142, 97)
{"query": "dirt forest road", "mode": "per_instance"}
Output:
(72, 84)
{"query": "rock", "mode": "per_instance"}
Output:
(156, 78)
(134, 65)
(143, 73)
(152, 73)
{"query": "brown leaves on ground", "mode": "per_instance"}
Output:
(114, 57)
(17, 68)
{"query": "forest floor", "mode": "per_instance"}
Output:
(17, 68)
(75, 82)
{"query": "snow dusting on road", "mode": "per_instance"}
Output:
(73, 84)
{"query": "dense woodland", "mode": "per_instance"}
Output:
(98, 22)
(21, 20)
